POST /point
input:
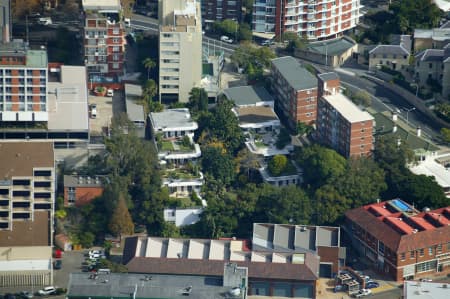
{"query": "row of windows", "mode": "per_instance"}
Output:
(421, 252)
(8, 72)
(22, 80)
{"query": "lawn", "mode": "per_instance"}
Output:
(166, 146)
(260, 144)
(184, 148)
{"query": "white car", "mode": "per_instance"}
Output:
(226, 39)
(363, 293)
(47, 291)
(45, 21)
(93, 109)
(110, 93)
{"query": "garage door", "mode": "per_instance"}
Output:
(325, 270)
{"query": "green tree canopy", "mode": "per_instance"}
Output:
(320, 164)
(277, 164)
(330, 204)
(198, 100)
(218, 164)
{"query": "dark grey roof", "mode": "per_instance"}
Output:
(335, 46)
(83, 181)
(389, 49)
(430, 55)
(328, 76)
(294, 73)
(446, 25)
(123, 285)
(248, 95)
(402, 39)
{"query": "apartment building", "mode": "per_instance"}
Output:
(5, 21)
(401, 241)
(23, 83)
(27, 195)
(434, 64)
(294, 90)
(219, 10)
(180, 49)
(104, 39)
(341, 125)
(311, 19)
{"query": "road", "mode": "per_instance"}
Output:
(149, 24)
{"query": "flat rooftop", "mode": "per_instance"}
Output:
(426, 290)
(294, 73)
(173, 119)
(67, 101)
(28, 233)
(248, 95)
(347, 109)
(255, 114)
(19, 158)
(430, 167)
(18, 48)
(106, 5)
(135, 111)
(120, 285)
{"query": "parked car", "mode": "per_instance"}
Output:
(26, 295)
(363, 293)
(50, 290)
(226, 39)
(44, 21)
(93, 109)
(267, 42)
(57, 264)
(372, 284)
(426, 280)
(110, 93)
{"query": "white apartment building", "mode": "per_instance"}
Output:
(312, 19)
(180, 49)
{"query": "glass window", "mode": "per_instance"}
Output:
(402, 256)
(430, 250)
(421, 252)
(412, 254)
(439, 248)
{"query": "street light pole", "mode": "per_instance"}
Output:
(407, 114)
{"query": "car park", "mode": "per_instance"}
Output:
(50, 290)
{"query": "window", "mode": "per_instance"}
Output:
(412, 254)
(430, 250)
(115, 30)
(421, 252)
(439, 248)
(71, 194)
(426, 266)
(380, 244)
(402, 256)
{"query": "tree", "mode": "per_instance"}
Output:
(198, 100)
(283, 138)
(320, 164)
(362, 98)
(390, 154)
(330, 204)
(227, 27)
(303, 129)
(121, 222)
(445, 134)
(149, 91)
(148, 64)
(277, 164)
(294, 41)
(218, 164)
(86, 239)
(245, 32)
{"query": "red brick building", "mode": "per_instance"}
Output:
(81, 190)
(399, 240)
(341, 125)
(104, 39)
(294, 90)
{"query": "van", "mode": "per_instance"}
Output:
(127, 22)
(104, 271)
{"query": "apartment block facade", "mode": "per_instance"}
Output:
(5, 21)
(27, 196)
(341, 125)
(312, 19)
(104, 38)
(23, 83)
(294, 90)
(219, 10)
(180, 49)
(81, 190)
(401, 241)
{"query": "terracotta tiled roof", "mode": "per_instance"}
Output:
(407, 237)
(183, 266)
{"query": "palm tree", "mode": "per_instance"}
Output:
(150, 90)
(148, 64)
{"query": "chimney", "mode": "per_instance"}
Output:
(394, 116)
(394, 128)
(418, 131)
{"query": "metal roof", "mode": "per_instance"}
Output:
(248, 95)
(328, 76)
(135, 111)
(294, 73)
(331, 47)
